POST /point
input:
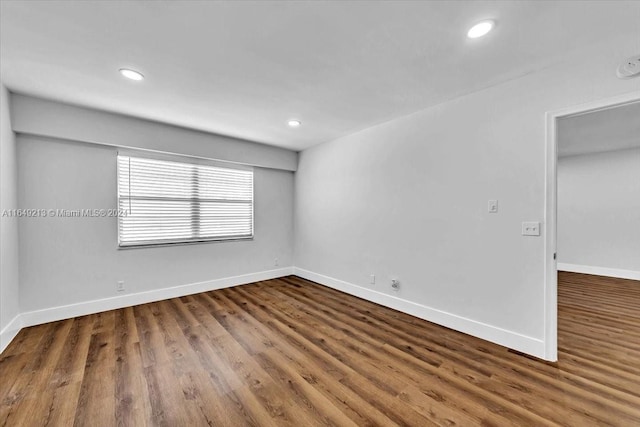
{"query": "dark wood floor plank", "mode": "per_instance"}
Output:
(398, 331)
(31, 399)
(484, 355)
(511, 395)
(351, 372)
(291, 352)
(280, 368)
(378, 359)
(322, 372)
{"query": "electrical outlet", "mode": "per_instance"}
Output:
(395, 284)
(629, 68)
(531, 228)
(276, 263)
(120, 286)
(372, 279)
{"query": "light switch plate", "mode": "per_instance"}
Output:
(492, 206)
(531, 228)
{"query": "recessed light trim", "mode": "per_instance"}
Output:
(131, 74)
(294, 123)
(481, 29)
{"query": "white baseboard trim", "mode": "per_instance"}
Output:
(510, 339)
(9, 332)
(599, 271)
(37, 317)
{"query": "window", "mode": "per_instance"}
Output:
(174, 202)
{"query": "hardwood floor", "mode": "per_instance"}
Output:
(289, 352)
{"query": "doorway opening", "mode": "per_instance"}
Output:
(557, 124)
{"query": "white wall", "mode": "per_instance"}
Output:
(407, 199)
(599, 211)
(73, 260)
(8, 225)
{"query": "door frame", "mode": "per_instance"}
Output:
(551, 212)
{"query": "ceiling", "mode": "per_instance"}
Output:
(244, 68)
(610, 129)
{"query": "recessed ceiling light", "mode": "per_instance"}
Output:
(131, 74)
(294, 123)
(481, 29)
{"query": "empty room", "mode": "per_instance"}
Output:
(301, 213)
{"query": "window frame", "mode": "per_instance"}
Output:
(185, 160)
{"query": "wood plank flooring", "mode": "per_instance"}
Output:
(289, 352)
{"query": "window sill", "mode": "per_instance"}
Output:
(182, 243)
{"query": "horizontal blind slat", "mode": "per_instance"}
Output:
(173, 202)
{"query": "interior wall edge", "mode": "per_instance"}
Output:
(10, 238)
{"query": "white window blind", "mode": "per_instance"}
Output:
(175, 202)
